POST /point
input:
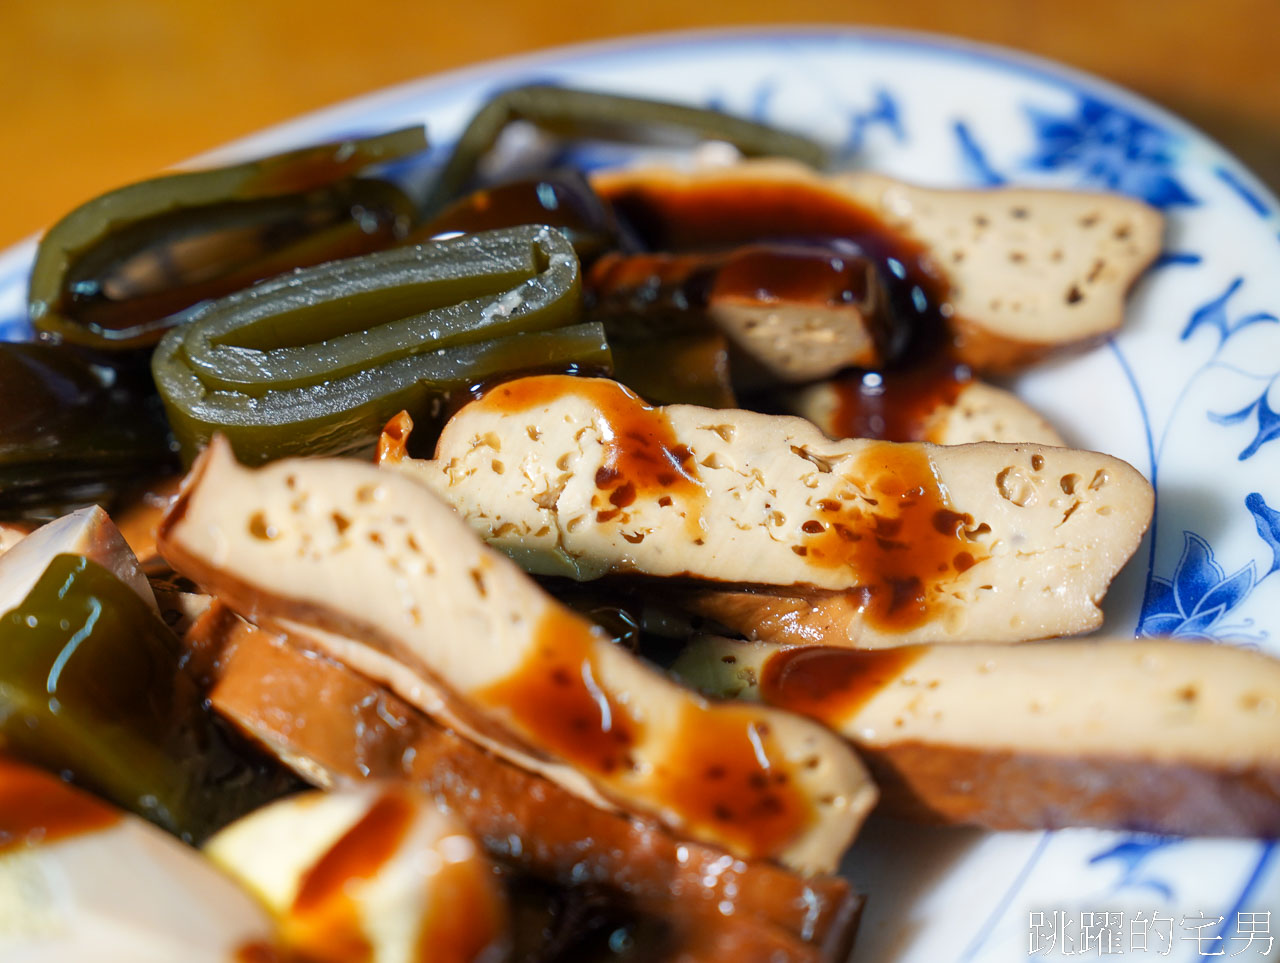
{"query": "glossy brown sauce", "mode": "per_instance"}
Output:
(831, 685)
(710, 214)
(325, 920)
(757, 272)
(771, 273)
(37, 808)
(897, 404)
(727, 776)
(556, 696)
(643, 457)
(900, 541)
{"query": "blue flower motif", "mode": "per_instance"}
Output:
(1197, 597)
(1131, 854)
(1111, 149)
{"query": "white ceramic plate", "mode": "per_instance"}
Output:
(1189, 393)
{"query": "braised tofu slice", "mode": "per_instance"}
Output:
(371, 872)
(1155, 735)
(375, 558)
(1017, 273)
(11, 533)
(1028, 272)
(80, 880)
(88, 532)
(334, 726)
(578, 477)
(970, 412)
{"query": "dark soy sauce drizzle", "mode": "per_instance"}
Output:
(921, 374)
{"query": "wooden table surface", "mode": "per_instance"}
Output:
(98, 93)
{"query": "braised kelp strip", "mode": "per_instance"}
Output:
(92, 683)
(317, 361)
(75, 429)
(591, 114)
(114, 271)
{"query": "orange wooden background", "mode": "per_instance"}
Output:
(96, 93)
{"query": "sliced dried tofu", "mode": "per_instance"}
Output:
(369, 872)
(1022, 272)
(578, 477)
(332, 725)
(365, 554)
(11, 533)
(81, 880)
(1156, 735)
(88, 532)
(977, 412)
(1028, 271)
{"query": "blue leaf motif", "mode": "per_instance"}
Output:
(974, 157)
(1268, 427)
(884, 111)
(1161, 623)
(1109, 148)
(1230, 592)
(1234, 417)
(1131, 854)
(1196, 573)
(1268, 521)
(1213, 313)
(1198, 625)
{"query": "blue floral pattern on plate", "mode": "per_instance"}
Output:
(1111, 149)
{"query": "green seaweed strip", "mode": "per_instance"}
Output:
(316, 362)
(92, 684)
(177, 207)
(590, 114)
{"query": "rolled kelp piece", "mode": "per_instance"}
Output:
(118, 270)
(591, 114)
(317, 361)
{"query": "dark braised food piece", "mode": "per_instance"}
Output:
(92, 684)
(561, 199)
(75, 429)
(316, 362)
(798, 310)
(119, 270)
(586, 114)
